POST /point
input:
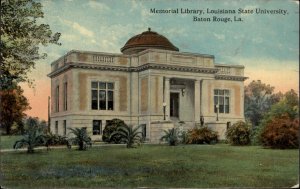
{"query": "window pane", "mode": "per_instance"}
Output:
(102, 85)
(110, 105)
(110, 95)
(110, 100)
(221, 100)
(221, 92)
(110, 85)
(94, 100)
(227, 109)
(226, 92)
(226, 100)
(215, 100)
(96, 127)
(216, 91)
(221, 108)
(102, 100)
(102, 104)
(102, 95)
(94, 85)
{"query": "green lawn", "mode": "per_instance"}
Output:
(199, 166)
(7, 142)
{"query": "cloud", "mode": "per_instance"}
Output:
(82, 30)
(98, 6)
(69, 37)
(257, 40)
(219, 36)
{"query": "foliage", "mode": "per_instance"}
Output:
(13, 104)
(171, 136)
(287, 106)
(281, 132)
(21, 35)
(239, 134)
(128, 135)
(259, 98)
(32, 138)
(81, 138)
(53, 140)
(183, 137)
(202, 135)
(110, 127)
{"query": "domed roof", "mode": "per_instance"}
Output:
(146, 40)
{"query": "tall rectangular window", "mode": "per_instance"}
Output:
(221, 100)
(57, 99)
(102, 96)
(97, 127)
(56, 127)
(65, 96)
(65, 127)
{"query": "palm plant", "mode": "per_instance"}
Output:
(32, 138)
(81, 138)
(128, 135)
(171, 137)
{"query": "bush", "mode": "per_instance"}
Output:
(110, 127)
(239, 134)
(54, 140)
(171, 137)
(202, 135)
(129, 135)
(281, 132)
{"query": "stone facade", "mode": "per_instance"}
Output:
(144, 85)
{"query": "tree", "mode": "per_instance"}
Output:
(81, 138)
(128, 135)
(287, 107)
(32, 138)
(259, 98)
(12, 107)
(21, 35)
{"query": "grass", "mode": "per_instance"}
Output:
(7, 142)
(162, 166)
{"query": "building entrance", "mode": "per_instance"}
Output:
(174, 105)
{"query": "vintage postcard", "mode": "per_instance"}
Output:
(152, 94)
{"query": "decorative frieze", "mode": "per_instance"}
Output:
(103, 59)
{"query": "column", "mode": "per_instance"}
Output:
(167, 97)
(197, 101)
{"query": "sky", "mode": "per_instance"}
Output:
(266, 44)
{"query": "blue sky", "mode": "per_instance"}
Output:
(267, 45)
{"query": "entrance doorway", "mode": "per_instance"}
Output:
(174, 105)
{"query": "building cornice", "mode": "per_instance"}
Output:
(133, 69)
(230, 77)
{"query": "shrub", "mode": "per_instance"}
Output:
(183, 136)
(239, 134)
(281, 132)
(110, 127)
(202, 135)
(171, 137)
(32, 138)
(80, 138)
(129, 135)
(53, 140)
